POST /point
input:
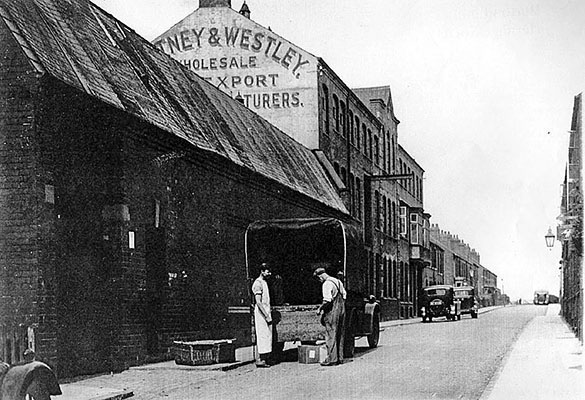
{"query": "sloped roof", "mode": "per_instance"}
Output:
(377, 93)
(87, 48)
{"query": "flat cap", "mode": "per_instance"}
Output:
(319, 271)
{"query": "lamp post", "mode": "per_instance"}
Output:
(549, 239)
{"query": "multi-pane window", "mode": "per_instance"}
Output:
(384, 215)
(336, 112)
(414, 229)
(376, 150)
(403, 217)
(358, 195)
(350, 128)
(326, 107)
(342, 118)
(365, 139)
(377, 200)
(369, 147)
(357, 131)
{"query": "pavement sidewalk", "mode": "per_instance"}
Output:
(546, 362)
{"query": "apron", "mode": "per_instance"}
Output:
(334, 322)
(263, 330)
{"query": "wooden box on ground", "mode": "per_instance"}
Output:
(312, 354)
(204, 352)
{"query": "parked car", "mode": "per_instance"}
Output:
(469, 303)
(439, 301)
(541, 297)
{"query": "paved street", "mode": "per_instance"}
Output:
(449, 360)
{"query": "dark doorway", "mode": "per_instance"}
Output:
(156, 275)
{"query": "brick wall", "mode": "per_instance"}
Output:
(187, 211)
(25, 294)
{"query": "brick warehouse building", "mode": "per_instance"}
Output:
(111, 241)
(355, 129)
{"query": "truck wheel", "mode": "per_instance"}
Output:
(374, 337)
(349, 340)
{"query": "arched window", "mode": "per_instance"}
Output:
(342, 118)
(365, 139)
(358, 196)
(336, 112)
(352, 205)
(336, 168)
(325, 106)
(357, 132)
(376, 150)
(344, 176)
(377, 205)
(350, 128)
(384, 215)
(369, 148)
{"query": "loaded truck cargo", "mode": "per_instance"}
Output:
(294, 248)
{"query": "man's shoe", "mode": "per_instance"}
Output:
(262, 364)
(328, 364)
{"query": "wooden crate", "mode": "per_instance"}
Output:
(204, 352)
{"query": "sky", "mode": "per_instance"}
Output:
(484, 91)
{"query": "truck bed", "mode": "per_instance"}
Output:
(298, 323)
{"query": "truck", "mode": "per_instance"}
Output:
(294, 248)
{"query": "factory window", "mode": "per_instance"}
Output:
(369, 148)
(352, 194)
(393, 219)
(377, 199)
(342, 118)
(414, 229)
(391, 159)
(358, 195)
(326, 108)
(336, 112)
(384, 215)
(403, 220)
(350, 128)
(365, 137)
(357, 132)
(376, 150)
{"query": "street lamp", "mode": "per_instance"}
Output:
(549, 238)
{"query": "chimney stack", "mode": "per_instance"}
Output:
(215, 3)
(245, 10)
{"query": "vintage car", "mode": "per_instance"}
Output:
(469, 303)
(439, 301)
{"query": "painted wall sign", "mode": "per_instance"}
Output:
(274, 77)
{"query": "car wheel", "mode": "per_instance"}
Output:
(424, 319)
(430, 319)
(474, 314)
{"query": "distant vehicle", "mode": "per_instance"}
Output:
(553, 299)
(469, 303)
(439, 301)
(541, 297)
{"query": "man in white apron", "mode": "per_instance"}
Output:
(333, 316)
(262, 316)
